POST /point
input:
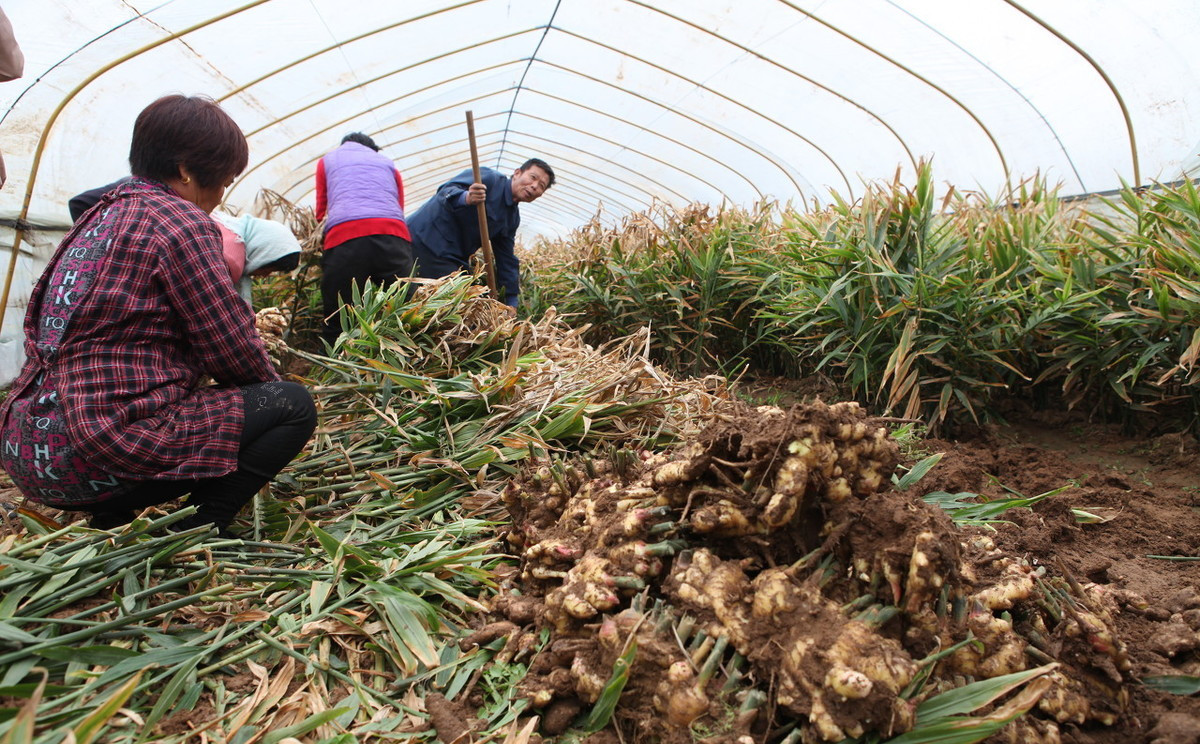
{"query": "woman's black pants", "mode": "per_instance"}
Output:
(279, 419)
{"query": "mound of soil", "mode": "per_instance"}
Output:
(1147, 491)
(778, 534)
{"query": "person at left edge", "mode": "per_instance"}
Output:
(134, 310)
(12, 66)
(360, 196)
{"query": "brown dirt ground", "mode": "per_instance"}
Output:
(1149, 490)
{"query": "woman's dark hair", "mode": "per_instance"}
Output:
(361, 139)
(192, 131)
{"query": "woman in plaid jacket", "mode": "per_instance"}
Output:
(136, 308)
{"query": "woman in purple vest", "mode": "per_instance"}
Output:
(361, 198)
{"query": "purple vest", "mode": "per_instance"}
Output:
(360, 184)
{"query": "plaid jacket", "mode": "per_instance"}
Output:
(160, 314)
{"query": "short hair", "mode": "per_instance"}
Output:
(541, 164)
(190, 131)
(361, 139)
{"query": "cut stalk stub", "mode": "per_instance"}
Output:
(666, 547)
(628, 582)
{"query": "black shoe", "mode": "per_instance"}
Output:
(107, 520)
(224, 533)
(187, 523)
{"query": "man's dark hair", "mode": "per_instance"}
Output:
(541, 164)
(190, 131)
(361, 139)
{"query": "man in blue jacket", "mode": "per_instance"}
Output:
(445, 230)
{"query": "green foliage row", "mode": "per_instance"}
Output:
(937, 309)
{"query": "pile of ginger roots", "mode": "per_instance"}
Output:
(766, 581)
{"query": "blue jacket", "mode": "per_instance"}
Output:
(447, 226)
(81, 203)
(360, 184)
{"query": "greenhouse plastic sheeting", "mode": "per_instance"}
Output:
(631, 102)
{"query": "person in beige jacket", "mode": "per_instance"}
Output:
(12, 66)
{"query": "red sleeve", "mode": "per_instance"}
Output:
(233, 250)
(399, 188)
(321, 204)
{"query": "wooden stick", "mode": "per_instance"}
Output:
(484, 241)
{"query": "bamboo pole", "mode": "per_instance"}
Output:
(37, 153)
(484, 241)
